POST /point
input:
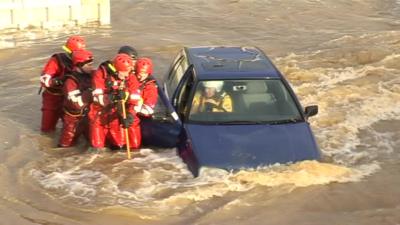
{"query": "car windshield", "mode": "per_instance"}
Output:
(243, 102)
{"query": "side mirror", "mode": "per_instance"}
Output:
(311, 110)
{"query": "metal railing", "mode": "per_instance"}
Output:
(22, 14)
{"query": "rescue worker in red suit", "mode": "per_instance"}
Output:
(149, 94)
(112, 82)
(77, 97)
(52, 79)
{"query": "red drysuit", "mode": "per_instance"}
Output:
(76, 102)
(52, 80)
(103, 115)
(145, 107)
(52, 97)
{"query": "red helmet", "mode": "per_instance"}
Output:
(144, 64)
(75, 42)
(123, 62)
(81, 57)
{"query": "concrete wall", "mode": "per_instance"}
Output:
(52, 13)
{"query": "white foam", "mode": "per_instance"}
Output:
(348, 102)
(160, 182)
(79, 184)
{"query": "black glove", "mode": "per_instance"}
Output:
(122, 95)
(128, 121)
(208, 106)
(112, 97)
(57, 82)
(85, 110)
(118, 107)
(119, 95)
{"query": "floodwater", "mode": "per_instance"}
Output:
(343, 55)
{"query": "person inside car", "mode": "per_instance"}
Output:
(211, 98)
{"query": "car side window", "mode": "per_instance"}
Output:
(184, 93)
(176, 74)
(174, 63)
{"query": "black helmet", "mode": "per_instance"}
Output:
(129, 51)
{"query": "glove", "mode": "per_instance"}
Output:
(128, 121)
(57, 82)
(109, 84)
(144, 110)
(119, 95)
(122, 95)
(208, 106)
(85, 110)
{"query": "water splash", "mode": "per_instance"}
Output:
(350, 98)
(159, 181)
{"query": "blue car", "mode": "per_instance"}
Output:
(252, 119)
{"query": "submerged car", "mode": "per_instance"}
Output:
(263, 123)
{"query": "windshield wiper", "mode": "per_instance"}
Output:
(252, 122)
(240, 122)
(291, 120)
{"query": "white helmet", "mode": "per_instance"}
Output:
(217, 84)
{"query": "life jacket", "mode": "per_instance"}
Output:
(112, 81)
(150, 79)
(65, 64)
(108, 69)
(218, 97)
(83, 82)
(81, 79)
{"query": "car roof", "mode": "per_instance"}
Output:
(220, 62)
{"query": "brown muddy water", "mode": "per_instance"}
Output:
(343, 55)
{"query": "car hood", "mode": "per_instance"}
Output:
(241, 146)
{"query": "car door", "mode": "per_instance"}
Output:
(164, 128)
(182, 93)
(175, 74)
